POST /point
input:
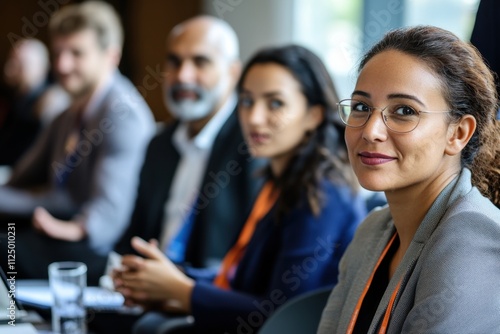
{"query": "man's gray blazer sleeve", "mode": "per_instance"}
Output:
(129, 126)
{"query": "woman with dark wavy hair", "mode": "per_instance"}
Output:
(302, 220)
(421, 127)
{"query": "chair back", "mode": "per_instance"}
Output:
(300, 315)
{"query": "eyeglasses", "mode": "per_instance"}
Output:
(397, 117)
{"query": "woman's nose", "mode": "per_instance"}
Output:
(375, 128)
(257, 114)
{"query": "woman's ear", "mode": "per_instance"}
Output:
(459, 134)
(316, 114)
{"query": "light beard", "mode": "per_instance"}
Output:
(86, 88)
(189, 109)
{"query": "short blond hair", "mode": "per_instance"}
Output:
(94, 15)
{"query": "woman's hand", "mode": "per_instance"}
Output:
(55, 228)
(153, 280)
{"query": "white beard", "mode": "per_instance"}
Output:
(191, 110)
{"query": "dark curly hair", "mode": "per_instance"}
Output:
(469, 88)
(323, 155)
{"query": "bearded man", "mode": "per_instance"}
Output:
(197, 183)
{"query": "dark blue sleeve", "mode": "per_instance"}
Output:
(228, 310)
(312, 246)
(309, 250)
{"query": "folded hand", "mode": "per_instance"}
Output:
(152, 279)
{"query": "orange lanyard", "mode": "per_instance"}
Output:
(387, 315)
(265, 201)
(385, 322)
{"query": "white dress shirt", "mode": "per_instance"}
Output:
(190, 171)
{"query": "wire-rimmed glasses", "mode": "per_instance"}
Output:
(398, 117)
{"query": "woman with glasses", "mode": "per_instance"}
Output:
(302, 220)
(421, 127)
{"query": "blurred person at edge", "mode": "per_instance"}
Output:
(72, 193)
(302, 220)
(27, 98)
(486, 42)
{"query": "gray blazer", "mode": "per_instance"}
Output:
(98, 184)
(450, 274)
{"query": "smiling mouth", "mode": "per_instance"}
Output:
(373, 159)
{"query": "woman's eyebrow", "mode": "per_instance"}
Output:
(392, 96)
(360, 92)
(406, 96)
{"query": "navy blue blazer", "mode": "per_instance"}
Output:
(283, 260)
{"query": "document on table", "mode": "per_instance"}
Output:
(38, 294)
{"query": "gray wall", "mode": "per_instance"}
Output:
(258, 23)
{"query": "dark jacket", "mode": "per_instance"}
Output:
(221, 213)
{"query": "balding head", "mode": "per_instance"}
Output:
(27, 65)
(214, 31)
(201, 69)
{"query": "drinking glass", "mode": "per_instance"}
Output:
(67, 282)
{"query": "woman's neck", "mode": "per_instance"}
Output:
(410, 205)
(279, 163)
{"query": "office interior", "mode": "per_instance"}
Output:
(338, 30)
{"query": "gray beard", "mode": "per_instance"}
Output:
(191, 110)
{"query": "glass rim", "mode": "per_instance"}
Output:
(68, 268)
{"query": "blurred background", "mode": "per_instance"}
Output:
(338, 30)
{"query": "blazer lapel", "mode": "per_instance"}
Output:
(377, 244)
(410, 259)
